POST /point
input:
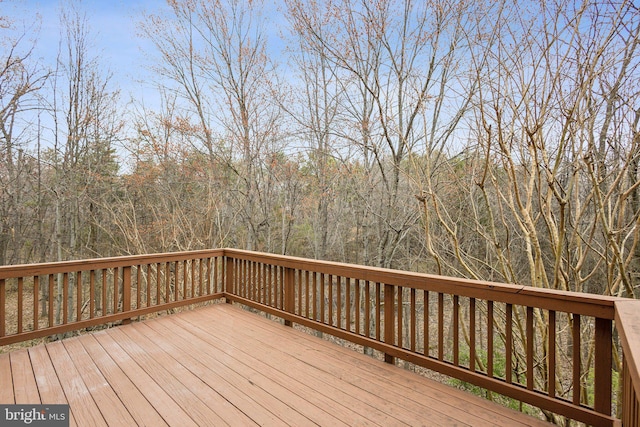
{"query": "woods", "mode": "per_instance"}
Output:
(496, 141)
(493, 141)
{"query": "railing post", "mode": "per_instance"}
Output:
(388, 321)
(228, 272)
(289, 293)
(603, 362)
(126, 292)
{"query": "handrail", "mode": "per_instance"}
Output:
(551, 349)
(11, 271)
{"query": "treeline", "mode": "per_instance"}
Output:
(489, 140)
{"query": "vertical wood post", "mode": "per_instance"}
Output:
(20, 302)
(575, 350)
(36, 303)
(603, 361)
(289, 293)
(388, 321)
(126, 292)
(228, 273)
(51, 299)
(65, 296)
(551, 351)
(3, 308)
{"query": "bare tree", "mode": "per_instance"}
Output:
(316, 94)
(396, 60)
(218, 60)
(21, 81)
(86, 123)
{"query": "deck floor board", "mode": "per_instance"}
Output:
(332, 363)
(24, 381)
(6, 380)
(258, 404)
(221, 365)
(162, 403)
(247, 374)
(282, 355)
(139, 407)
(49, 387)
(82, 406)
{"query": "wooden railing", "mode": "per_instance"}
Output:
(553, 350)
(38, 300)
(512, 340)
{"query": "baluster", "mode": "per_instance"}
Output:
(148, 280)
(79, 296)
(211, 263)
(456, 330)
(357, 305)
(576, 358)
(185, 280)
(268, 284)
(490, 339)
(400, 309)
(3, 308)
(378, 309)
(551, 351)
(36, 306)
(65, 294)
(330, 283)
(51, 299)
(167, 280)
(92, 294)
(158, 292)
(138, 282)
(339, 302)
(20, 302)
(413, 319)
(529, 332)
(509, 343)
(425, 321)
(347, 291)
(367, 313)
(472, 334)
(298, 276)
(104, 291)
(440, 326)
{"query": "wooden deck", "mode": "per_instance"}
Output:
(221, 365)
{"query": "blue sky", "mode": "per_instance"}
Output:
(113, 27)
(113, 36)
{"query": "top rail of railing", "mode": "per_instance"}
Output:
(14, 271)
